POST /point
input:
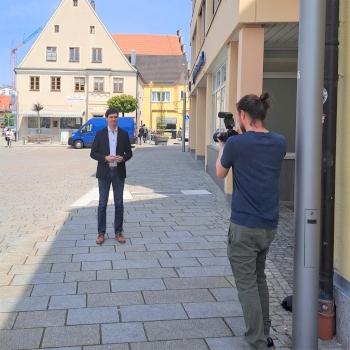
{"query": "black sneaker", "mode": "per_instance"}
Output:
(270, 344)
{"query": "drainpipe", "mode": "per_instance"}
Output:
(325, 302)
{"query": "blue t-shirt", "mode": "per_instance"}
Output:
(256, 158)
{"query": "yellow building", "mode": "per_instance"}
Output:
(248, 46)
(162, 67)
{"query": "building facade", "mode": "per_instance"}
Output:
(71, 71)
(240, 47)
(161, 64)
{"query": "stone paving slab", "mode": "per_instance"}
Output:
(188, 344)
(114, 299)
(92, 315)
(123, 333)
(35, 319)
(20, 338)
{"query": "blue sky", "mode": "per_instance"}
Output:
(23, 17)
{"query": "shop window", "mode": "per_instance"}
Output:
(70, 123)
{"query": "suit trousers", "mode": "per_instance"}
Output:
(118, 189)
(247, 250)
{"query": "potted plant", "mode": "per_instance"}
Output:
(159, 137)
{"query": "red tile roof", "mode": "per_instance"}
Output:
(5, 102)
(148, 44)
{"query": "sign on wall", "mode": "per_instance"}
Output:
(73, 98)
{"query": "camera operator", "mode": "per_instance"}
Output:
(256, 156)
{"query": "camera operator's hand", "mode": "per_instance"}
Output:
(221, 143)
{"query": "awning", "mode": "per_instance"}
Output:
(51, 113)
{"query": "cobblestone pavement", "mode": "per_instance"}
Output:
(169, 287)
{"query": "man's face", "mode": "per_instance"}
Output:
(112, 120)
(239, 119)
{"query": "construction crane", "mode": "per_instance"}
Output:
(13, 56)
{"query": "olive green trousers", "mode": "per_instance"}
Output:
(247, 250)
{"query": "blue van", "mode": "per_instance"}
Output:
(84, 136)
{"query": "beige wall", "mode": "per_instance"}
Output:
(342, 193)
(200, 122)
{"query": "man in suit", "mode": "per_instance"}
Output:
(111, 148)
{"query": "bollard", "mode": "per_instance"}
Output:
(24, 141)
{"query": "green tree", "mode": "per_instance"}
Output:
(10, 119)
(37, 107)
(161, 125)
(123, 103)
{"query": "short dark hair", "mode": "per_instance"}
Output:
(255, 106)
(111, 111)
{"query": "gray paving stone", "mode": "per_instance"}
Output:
(177, 296)
(94, 287)
(237, 325)
(80, 276)
(137, 285)
(96, 265)
(49, 259)
(186, 329)
(63, 251)
(38, 278)
(108, 347)
(183, 239)
(98, 257)
(136, 263)
(225, 294)
(196, 282)
(23, 304)
(55, 289)
(151, 273)
(26, 269)
(216, 238)
(111, 275)
(67, 302)
(188, 344)
(219, 252)
(122, 333)
(65, 267)
(71, 336)
(228, 343)
(162, 246)
(5, 280)
(20, 338)
(35, 319)
(204, 271)
(71, 237)
(208, 245)
(146, 255)
(191, 254)
(15, 291)
(55, 244)
(145, 240)
(214, 261)
(65, 348)
(7, 320)
(152, 312)
(179, 262)
(114, 299)
(92, 315)
(213, 309)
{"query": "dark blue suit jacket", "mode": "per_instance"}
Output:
(100, 149)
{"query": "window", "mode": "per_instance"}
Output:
(96, 55)
(118, 85)
(51, 53)
(79, 84)
(74, 54)
(55, 83)
(92, 29)
(75, 2)
(98, 84)
(160, 96)
(56, 28)
(70, 123)
(181, 95)
(34, 83)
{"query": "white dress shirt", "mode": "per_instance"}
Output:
(113, 139)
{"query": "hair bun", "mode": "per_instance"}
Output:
(264, 96)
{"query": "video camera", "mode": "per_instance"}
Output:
(229, 124)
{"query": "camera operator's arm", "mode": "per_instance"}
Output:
(221, 172)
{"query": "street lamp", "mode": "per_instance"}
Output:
(150, 110)
(184, 114)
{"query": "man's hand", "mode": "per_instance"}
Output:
(221, 172)
(119, 159)
(110, 159)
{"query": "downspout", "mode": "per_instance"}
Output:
(326, 309)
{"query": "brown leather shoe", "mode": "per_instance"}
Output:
(100, 239)
(119, 238)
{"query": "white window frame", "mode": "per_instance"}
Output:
(155, 95)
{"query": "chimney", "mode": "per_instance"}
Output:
(133, 57)
(93, 4)
(183, 48)
(179, 33)
(181, 40)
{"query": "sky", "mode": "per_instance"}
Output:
(21, 18)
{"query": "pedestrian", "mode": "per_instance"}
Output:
(9, 136)
(141, 132)
(111, 148)
(145, 133)
(256, 155)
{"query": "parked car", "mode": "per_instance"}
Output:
(13, 128)
(85, 135)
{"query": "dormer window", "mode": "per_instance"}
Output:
(75, 2)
